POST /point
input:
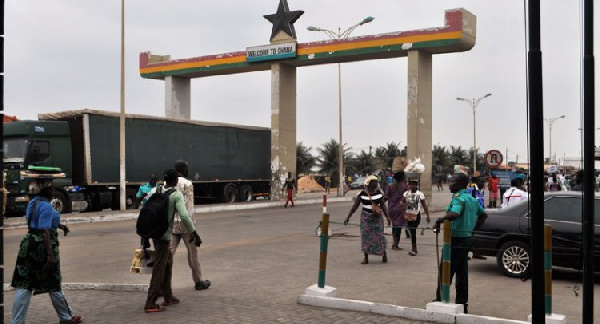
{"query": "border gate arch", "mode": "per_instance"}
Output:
(457, 35)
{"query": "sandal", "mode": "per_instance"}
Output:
(74, 320)
(173, 301)
(202, 284)
(155, 309)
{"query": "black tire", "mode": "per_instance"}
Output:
(60, 202)
(230, 193)
(130, 202)
(246, 193)
(513, 258)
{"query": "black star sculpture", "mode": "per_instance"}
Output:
(284, 19)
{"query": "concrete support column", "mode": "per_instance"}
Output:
(283, 126)
(177, 97)
(419, 143)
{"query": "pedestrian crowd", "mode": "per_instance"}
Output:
(396, 200)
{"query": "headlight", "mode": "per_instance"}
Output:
(22, 199)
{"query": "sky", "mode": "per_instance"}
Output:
(65, 54)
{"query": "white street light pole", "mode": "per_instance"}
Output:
(341, 35)
(551, 121)
(122, 191)
(473, 103)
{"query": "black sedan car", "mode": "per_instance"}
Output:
(506, 233)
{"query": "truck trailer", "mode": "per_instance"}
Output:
(226, 162)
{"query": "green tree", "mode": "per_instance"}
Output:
(305, 161)
(441, 157)
(481, 166)
(328, 159)
(385, 154)
(363, 163)
(458, 156)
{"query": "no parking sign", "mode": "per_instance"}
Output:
(493, 158)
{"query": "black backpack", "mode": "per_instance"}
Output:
(153, 220)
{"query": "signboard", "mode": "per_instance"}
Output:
(270, 52)
(493, 158)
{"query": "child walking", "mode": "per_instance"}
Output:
(414, 200)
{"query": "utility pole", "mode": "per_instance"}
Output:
(2, 152)
(122, 189)
(536, 129)
(589, 131)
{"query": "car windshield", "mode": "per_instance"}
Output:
(14, 150)
(360, 180)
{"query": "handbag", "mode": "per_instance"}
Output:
(375, 208)
(411, 217)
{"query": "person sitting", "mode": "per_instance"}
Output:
(144, 191)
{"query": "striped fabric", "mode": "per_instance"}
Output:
(377, 197)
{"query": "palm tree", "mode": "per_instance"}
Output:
(458, 155)
(386, 154)
(441, 157)
(481, 166)
(364, 163)
(328, 159)
(305, 161)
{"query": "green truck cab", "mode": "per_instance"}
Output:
(35, 143)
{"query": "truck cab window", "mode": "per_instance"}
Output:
(14, 150)
(38, 152)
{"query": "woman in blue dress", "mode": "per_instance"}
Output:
(37, 269)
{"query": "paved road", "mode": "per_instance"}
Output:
(261, 260)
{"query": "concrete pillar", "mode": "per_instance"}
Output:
(283, 126)
(177, 97)
(419, 143)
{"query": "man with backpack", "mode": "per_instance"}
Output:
(172, 201)
(186, 187)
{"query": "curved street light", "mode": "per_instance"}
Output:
(341, 35)
(473, 103)
(551, 121)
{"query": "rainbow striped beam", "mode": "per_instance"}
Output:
(457, 35)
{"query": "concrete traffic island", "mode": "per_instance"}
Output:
(433, 313)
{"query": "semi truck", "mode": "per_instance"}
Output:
(226, 162)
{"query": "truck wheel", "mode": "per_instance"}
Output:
(60, 202)
(230, 193)
(513, 258)
(130, 202)
(246, 193)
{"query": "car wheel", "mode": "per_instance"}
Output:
(513, 258)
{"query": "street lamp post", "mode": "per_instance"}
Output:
(473, 103)
(551, 121)
(341, 35)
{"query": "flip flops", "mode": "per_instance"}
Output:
(74, 320)
(173, 301)
(155, 309)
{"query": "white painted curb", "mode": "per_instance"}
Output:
(400, 311)
(552, 319)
